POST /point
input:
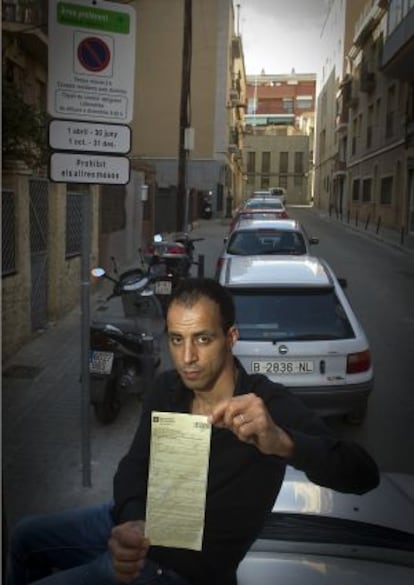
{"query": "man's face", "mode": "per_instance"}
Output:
(199, 348)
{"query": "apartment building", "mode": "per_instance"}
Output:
(364, 167)
(279, 134)
(216, 103)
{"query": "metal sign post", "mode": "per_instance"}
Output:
(91, 76)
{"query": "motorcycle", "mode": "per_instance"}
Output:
(169, 261)
(125, 342)
(206, 209)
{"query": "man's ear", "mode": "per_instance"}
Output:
(232, 335)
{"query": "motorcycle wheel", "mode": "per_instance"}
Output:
(108, 409)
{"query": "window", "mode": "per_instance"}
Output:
(355, 190)
(283, 162)
(298, 162)
(288, 105)
(298, 180)
(8, 232)
(73, 224)
(251, 162)
(354, 135)
(304, 102)
(366, 190)
(283, 181)
(386, 191)
(390, 117)
(265, 162)
(369, 126)
(265, 182)
(280, 315)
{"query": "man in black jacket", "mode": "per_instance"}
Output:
(258, 427)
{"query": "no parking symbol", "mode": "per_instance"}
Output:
(93, 54)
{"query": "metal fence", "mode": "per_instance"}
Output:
(8, 232)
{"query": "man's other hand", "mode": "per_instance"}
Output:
(128, 547)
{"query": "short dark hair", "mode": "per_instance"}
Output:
(190, 290)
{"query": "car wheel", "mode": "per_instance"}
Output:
(357, 416)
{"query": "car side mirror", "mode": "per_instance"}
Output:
(343, 282)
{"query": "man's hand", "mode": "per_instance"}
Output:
(248, 418)
(128, 547)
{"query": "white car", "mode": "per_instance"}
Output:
(297, 327)
(321, 537)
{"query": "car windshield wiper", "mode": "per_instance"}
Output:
(315, 337)
(311, 528)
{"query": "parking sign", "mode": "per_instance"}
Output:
(91, 61)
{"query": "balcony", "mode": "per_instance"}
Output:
(398, 52)
(234, 143)
(27, 21)
(339, 167)
(342, 121)
(367, 79)
(368, 21)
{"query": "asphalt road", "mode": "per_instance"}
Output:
(381, 290)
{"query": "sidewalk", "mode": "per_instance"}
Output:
(372, 230)
(41, 414)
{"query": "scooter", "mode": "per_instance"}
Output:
(169, 261)
(125, 342)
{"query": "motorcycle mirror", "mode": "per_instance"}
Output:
(98, 272)
(157, 238)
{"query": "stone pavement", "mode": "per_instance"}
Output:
(41, 412)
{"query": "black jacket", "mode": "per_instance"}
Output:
(242, 482)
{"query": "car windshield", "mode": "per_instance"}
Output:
(266, 241)
(304, 314)
(264, 204)
(253, 214)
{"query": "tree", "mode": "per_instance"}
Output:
(24, 128)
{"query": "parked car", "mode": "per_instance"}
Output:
(267, 214)
(321, 537)
(279, 192)
(263, 203)
(297, 327)
(252, 237)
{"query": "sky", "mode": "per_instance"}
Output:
(279, 35)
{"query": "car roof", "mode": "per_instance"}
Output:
(267, 224)
(276, 271)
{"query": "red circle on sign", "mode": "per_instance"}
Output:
(94, 54)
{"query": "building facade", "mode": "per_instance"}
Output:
(364, 159)
(279, 134)
(216, 102)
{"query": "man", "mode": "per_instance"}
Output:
(258, 428)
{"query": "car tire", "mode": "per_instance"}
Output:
(358, 415)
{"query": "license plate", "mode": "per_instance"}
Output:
(282, 367)
(100, 362)
(163, 287)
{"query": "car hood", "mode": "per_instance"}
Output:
(297, 552)
(391, 504)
